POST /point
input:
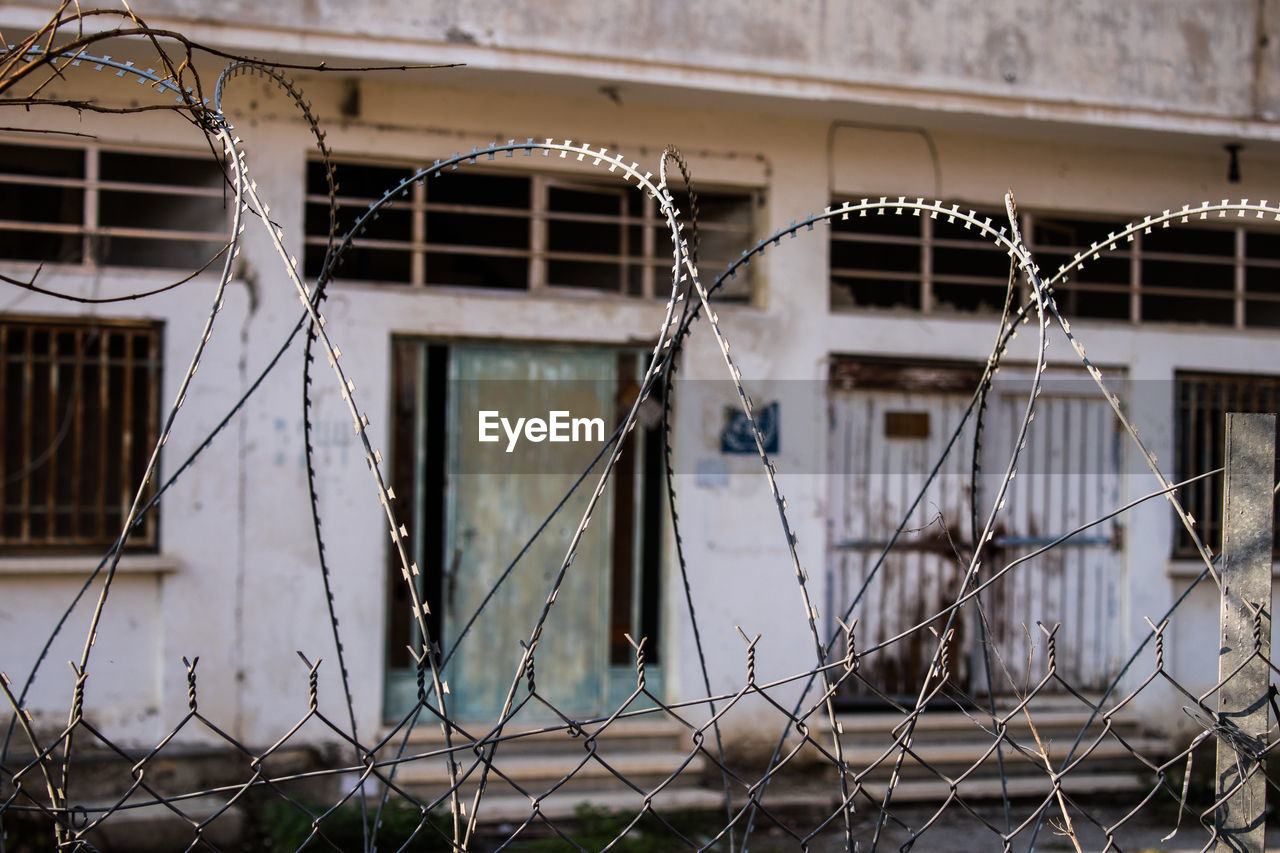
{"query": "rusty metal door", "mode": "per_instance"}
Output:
(889, 425)
(1068, 475)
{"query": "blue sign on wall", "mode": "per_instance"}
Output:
(736, 436)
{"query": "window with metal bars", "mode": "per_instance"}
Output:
(81, 402)
(520, 232)
(1224, 276)
(103, 207)
(1202, 402)
(887, 259)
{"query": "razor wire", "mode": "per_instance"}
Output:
(451, 813)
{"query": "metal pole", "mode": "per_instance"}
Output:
(1243, 663)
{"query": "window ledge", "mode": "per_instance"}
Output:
(1191, 569)
(81, 566)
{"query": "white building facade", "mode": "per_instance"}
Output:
(529, 269)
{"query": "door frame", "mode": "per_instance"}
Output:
(648, 513)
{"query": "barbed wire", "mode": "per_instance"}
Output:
(838, 780)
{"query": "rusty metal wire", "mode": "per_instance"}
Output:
(819, 785)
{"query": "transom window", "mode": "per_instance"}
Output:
(102, 207)
(1224, 276)
(534, 233)
(81, 402)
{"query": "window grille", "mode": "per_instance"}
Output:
(100, 207)
(533, 233)
(900, 260)
(81, 403)
(1203, 399)
(1228, 276)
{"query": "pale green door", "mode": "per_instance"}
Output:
(496, 499)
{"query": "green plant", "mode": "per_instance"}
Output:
(284, 826)
(595, 828)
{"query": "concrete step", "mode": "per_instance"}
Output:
(947, 746)
(945, 757)
(139, 825)
(616, 759)
(950, 725)
(629, 762)
(560, 804)
(632, 733)
(644, 769)
(1017, 787)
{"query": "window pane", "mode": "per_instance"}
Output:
(725, 232)
(1262, 279)
(1262, 245)
(895, 257)
(170, 254)
(890, 224)
(19, 245)
(875, 292)
(146, 168)
(717, 249)
(358, 180)
(1187, 309)
(41, 203)
(594, 238)
(977, 261)
(1189, 274)
(372, 264)
(473, 270)
(1262, 314)
(1074, 234)
(143, 211)
(49, 162)
(1101, 304)
(579, 200)
(480, 189)
(1110, 268)
(592, 275)
(968, 297)
(465, 229)
(1190, 241)
(719, 208)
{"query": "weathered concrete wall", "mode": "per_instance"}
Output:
(1209, 57)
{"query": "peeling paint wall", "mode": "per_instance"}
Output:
(1202, 56)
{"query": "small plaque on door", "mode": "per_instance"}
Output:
(906, 424)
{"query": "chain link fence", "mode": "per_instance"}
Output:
(1017, 754)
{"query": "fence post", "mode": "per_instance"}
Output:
(1245, 648)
